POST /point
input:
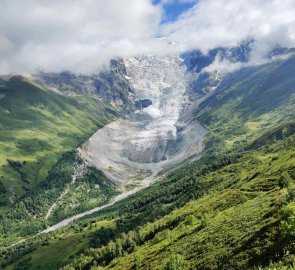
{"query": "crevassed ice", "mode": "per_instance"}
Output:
(163, 81)
(137, 148)
(160, 79)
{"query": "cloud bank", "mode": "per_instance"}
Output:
(82, 36)
(72, 34)
(227, 23)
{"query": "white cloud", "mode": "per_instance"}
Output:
(177, 1)
(82, 36)
(226, 23)
(72, 34)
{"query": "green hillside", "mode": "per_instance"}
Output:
(236, 213)
(250, 105)
(36, 127)
(39, 131)
(245, 218)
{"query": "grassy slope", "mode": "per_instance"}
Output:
(235, 226)
(38, 131)
(36, 127)
(251, 106)
(233, 213)
(62, 248)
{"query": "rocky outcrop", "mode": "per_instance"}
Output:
(110, 86)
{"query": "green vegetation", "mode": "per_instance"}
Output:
(246, 107)
(89, 190)
(63, 247)
(28, 216)
(36, 127)
(237, 213)
(246, 219)
(39, 129)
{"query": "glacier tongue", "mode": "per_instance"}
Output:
(152, 138)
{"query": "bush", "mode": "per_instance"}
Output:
(176, 262)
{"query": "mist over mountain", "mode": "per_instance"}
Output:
(81, 37)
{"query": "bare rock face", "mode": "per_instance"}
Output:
(109, 86)
(156, 136)
(142, 103)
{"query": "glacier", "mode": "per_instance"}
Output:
(131, 151)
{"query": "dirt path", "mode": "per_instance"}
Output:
(78, 171)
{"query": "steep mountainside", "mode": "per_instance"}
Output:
(232, 209)
(37, 125)
(110, 86)
(39, 130)
(250, 102)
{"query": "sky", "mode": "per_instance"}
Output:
(83, 35)
(172, 9)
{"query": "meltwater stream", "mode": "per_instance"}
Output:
(156, 137)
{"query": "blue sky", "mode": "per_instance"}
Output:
(174, 8)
